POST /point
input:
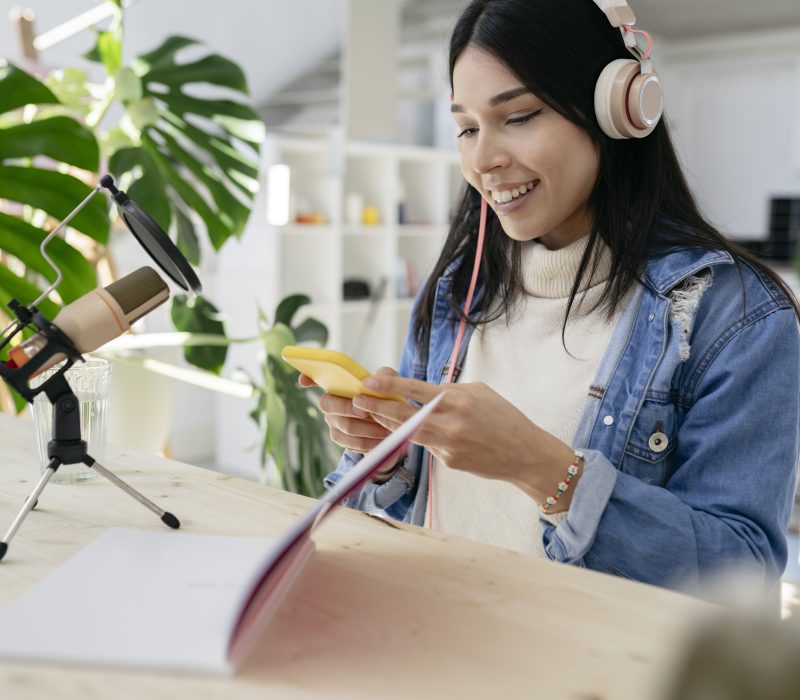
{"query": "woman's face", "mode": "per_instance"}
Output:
(535, 168)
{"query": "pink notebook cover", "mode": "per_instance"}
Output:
(291, 553)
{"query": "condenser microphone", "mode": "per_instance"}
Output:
(99, 316)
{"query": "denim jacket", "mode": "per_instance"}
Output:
(690, 429)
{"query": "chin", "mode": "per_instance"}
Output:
(518, 231)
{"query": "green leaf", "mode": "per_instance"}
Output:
(198, 315)
(18, 88)
(60, 138)
(186, 237)
(238, 119)
(219, 229)
(242, 171)
(22, 240)
(311, 330)
(149, 193)
(213, 69)
(57, 194)
(164, 55)
(288, 307)
(127, 85)
(14, 287)
(229, 208)
(109, 48)
(277, 338)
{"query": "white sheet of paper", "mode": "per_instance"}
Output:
(175, 594)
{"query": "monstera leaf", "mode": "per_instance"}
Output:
(187, 153)
(36, 189)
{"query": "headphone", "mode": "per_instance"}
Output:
(628, 97)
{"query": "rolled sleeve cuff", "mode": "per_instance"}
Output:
(569, 540)
(372, 497)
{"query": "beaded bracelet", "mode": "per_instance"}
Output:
(563, 486)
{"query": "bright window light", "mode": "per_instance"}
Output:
(278, 194)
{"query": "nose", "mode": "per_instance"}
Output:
(489, 153)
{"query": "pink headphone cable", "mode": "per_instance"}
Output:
(459, 337)
(628, 28)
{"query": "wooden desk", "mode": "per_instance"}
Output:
(379, 612)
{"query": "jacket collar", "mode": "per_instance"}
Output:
(669, 269)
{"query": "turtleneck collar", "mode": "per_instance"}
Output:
(550, 274)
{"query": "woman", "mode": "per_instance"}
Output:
(627, 390)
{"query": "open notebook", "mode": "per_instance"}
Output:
(172, 600)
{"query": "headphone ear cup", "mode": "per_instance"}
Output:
(603, 97)
(627, 103)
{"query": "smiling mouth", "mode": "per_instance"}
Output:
(510, 199)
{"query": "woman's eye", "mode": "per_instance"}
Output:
(524, 118)
(469, 131)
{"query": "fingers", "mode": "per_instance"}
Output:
(413, 389)
(338, 406)
(383, 408)
(355, 434)
(386, 372)
(355, 427)
(306, 381)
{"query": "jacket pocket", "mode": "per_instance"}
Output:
(651, 443)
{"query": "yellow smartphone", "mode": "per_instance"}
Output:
(333, 371)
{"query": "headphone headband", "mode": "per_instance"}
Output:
(619, 12)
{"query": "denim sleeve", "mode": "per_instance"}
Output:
(729, 499)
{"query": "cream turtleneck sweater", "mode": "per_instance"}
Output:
(525, 362)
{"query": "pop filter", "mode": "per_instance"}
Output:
(153, 239)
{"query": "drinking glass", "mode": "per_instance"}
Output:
(89, 382)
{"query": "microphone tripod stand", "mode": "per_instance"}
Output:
(67, 447)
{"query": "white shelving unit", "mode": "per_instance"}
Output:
(271, 261)
(316, 259)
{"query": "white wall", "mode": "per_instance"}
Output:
(734, 103)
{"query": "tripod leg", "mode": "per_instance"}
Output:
(29, 504)
(166, 518)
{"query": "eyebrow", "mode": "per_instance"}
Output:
(506, 96)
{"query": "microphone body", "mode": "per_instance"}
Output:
(99, 316)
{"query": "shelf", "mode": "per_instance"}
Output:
(414, 230)
(367, 231)
(356, 306)
(306, 230)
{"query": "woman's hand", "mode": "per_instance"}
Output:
(350, 427)
(475, 429)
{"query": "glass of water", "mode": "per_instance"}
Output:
(89, 381)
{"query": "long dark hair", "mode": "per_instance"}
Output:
(557, 50)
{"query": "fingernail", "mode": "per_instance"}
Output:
(358, 413)
(370, 383)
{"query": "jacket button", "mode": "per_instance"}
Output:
(608, 420)
(658, 442)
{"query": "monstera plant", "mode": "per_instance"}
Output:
(189, 161)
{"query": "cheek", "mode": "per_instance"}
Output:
(573, 176)
(469, 174)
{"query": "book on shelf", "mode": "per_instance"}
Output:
(173, 601)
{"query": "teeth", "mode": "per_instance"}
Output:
(508, 195)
